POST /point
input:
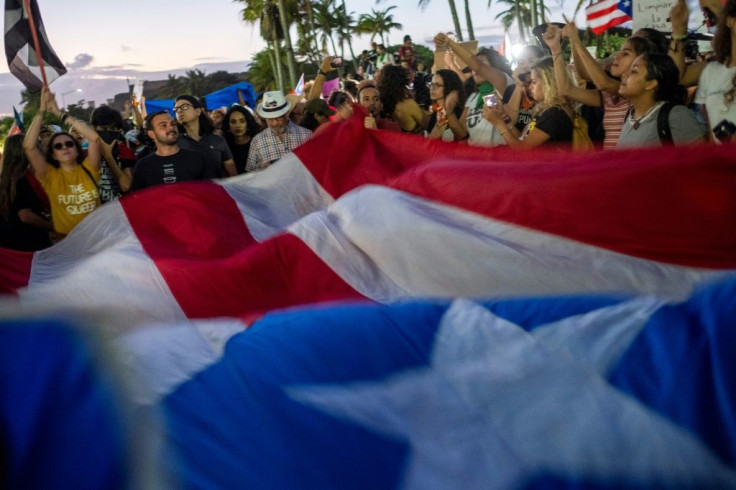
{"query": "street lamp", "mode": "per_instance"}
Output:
(63, 103)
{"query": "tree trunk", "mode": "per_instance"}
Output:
(312, 30)
(456, 20)
(290, 62)
(533, 7)
(469, 20)
(277, 66)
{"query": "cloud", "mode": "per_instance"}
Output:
(80, 61)
(209, 58)
(125, 48)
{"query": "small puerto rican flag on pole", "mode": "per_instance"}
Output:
(300, 86)
(608, 13)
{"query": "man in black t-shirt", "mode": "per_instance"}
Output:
(170, 164)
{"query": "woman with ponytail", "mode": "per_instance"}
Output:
(653, 81)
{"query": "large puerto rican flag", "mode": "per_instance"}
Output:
(297, 327)
(608, 13)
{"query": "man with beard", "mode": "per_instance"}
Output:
(370, 99)
(169, 164)
(282, 135)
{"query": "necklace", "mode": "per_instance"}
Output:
(637, 122)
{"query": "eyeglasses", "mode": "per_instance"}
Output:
(183, 107)
(434, 85)
(66, 144)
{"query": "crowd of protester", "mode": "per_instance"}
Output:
(646, 94)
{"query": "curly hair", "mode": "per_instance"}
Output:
(451, 81)
(496, 60)
(722, 43)
(661, 68)
(545, 69)
(13, 168)
(251, 126)
(392, 86)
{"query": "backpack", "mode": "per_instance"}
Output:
(580, 137)
(663, 123)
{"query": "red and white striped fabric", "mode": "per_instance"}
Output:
(360, 214)
(608, 13)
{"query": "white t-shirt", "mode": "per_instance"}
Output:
(480, 131)
(715, 81)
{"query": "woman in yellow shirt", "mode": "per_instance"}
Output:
(69, 179)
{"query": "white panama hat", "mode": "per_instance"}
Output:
(273, 105)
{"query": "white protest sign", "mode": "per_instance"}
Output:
(652, 13)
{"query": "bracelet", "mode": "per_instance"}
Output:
(501, 133)
(322, 73)
(679, 38)
(63, 116)
(506, 120)
(135, 104)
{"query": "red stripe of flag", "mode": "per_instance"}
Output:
(213, 266)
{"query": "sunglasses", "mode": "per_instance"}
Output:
(67, 144)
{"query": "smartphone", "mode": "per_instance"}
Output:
(490, 100)
(525, 77)
(336, 62)
(724, 131)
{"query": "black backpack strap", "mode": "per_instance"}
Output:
(663, 124)
(86, 171)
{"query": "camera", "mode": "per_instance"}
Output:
(724, 131)
(336, 62)
(490, 100)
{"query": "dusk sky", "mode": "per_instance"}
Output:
(102, 43)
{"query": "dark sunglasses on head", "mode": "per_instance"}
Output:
(67, 143)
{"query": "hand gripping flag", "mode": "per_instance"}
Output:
(20, 49)
(608, 13)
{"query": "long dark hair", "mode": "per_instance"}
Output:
(392, 87)
(50, 149)
(722, 39)
(661, 68)
(14, 167)
(451, 82)
(206, 124)
(252, 127)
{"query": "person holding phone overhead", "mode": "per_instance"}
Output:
(552, 117)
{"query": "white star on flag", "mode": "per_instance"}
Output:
(499, 405)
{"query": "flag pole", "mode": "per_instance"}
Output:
(34, 34)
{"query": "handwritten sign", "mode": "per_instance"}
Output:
(652, 13)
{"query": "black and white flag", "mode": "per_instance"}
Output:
(20, 50)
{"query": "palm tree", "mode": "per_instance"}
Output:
(519, 11)
(455, 19)
(285, 24)
(377, 23)
(326, 23)
(345, 27)
(469, 21)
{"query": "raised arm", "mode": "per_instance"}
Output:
(595, 73)
(553, 38)
(456, 125)
(321, 78)
(489, 73)
(124, 180)
(30, 141)
(93, 152)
